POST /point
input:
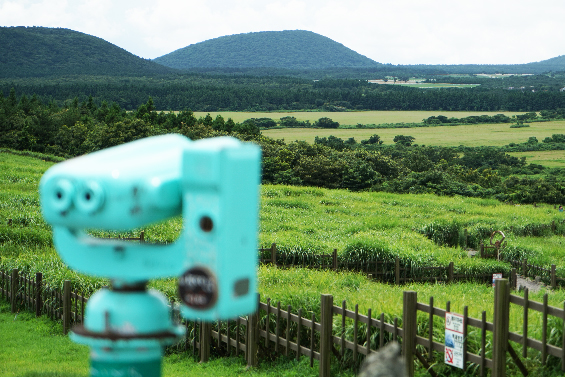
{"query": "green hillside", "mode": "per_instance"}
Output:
(41, 51)
(553, 64)
(290, 49)
(556, 64)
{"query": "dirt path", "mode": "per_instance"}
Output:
(532, 285)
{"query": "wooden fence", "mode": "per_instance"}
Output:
(31, 294)
(338, 332)
(394, 272)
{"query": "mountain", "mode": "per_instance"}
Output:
(41, 51)
(289, 49)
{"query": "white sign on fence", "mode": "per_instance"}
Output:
(454, 339)
(495, 277)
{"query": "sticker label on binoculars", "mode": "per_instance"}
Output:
(198, 288)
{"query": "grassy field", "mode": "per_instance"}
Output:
(473, 135)
(550, 159)
(352, 117)
(36, 347)
(418, 228)
(421, 229)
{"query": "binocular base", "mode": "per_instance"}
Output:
(147, 368)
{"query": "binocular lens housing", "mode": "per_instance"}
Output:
(90, 197)
(63, 192)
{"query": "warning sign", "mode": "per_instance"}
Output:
(454, 339)
(495, 277)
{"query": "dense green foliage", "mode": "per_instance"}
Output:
(290, 49)
(487, 172)
(41, 51)
(259, 93)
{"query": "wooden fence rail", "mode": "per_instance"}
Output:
(397, 273)
(387, 271)
(339, 332)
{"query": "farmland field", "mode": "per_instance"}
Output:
(472, 135)
(550, 159)
(353, 117)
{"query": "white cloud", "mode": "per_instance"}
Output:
(388, 31)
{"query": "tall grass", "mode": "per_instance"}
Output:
(422, 230)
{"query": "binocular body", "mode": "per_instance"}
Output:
(212, 183)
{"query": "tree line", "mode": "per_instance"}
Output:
(200, 92)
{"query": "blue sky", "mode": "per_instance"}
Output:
(387, 31)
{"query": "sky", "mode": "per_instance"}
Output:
(387, 31)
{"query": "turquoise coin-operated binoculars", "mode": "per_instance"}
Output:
(213, 183)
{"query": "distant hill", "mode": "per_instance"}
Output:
(553, 64)
(289, 49)
(41, 51)
(556, 64)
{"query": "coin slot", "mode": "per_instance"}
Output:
(206, 224)
(241, 287)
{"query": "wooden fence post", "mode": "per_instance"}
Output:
(553, 277)
(274, 254)
(397, 271)
(334, 256)
(514, 279)
(501, 327)
(525, 268)
(410, 300)
(482, 249)
(142, 236)
(252, 338)
(326, 321)
(38, 292)
(251, 346)
(14, 290)
(450, 273)
(205, 340)
(66, 306)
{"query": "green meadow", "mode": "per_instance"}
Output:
(550, 159)
(471, 135)
(352, 117)
(422, 230)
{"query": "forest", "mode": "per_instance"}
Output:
(208, 92)
(76, 128)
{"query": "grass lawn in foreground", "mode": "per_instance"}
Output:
(36, 347)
